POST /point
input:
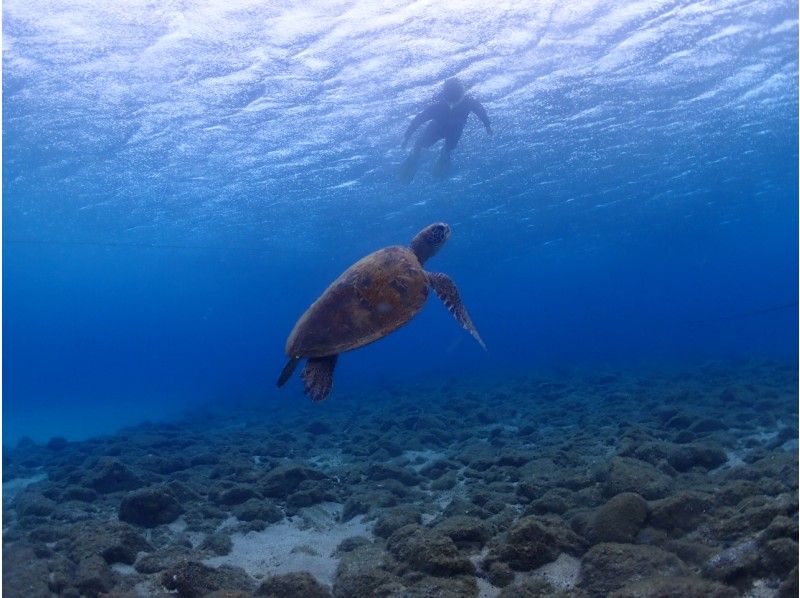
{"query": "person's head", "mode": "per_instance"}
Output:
(452, 90)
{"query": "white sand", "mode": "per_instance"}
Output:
(761, 589)
(302, 543)
(13, 487)
(562, 573)
(419, 459)
(123, 569)
(485, 589)
(328, 460)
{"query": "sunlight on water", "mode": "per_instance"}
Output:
(157, 120)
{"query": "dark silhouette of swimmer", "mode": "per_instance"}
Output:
(446, 118)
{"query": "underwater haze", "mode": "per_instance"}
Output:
(183, 179)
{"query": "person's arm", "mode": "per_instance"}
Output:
(480, 112)
(420, 118)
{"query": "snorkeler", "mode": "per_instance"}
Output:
(447, 115)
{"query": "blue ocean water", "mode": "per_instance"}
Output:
(180, 181)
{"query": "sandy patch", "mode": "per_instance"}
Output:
(13, 487)
(328, 461)
(485, 589)
(419, 459)
(562, 573)
(305, 542)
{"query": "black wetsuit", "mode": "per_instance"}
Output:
(445, 122)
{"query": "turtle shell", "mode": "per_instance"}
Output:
(372, 298)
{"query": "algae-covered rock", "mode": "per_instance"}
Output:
(608, 567)
(33, 504)
(24, 575)
(293, 585)
(618, 520)
(465, 530)
(149, 507)
(281, 481)
(219, 544)
(625, 474)
(235, 495)
(532, 542)
(258, 510)
(94, 576)
(674, 587)
(499, 574)
(683, 456)
(362, 572)
(681, 511)
(740, 559)
(779, 556)
(192, 579)
(539, 588)
(789, 586)
(382, 471)
(165, 558)
(372, 582)
(428, 551)
(393, 519)
(115, 542)
(111, 475)
(310, 492)
(451, 586)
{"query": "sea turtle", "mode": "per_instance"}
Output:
(373, 297)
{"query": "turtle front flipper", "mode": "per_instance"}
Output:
(318, 377)
(446, 289)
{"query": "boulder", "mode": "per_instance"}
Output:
(293, 585)
(533, 542)
(741, 559)
(381, 471)
(283, 480)
(428, 551)
(610, 566)
(149, 507)
(618, 520)
(625, 474)
(218, 543)
(94, 576)
(162, 559)
(115, 542)
(465, 530)
(682, 511)
(111, 475)
(395, 518)
(24, 575)
(261, 510)
(675, 587)
(193, 580)
(234, 495)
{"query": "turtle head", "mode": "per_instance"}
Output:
(429, 240)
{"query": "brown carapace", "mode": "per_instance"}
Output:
(372, 298)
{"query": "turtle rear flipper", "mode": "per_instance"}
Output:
(446, 289)
(287, 371)
(318, 377)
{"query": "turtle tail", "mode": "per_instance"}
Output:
(287, 371)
